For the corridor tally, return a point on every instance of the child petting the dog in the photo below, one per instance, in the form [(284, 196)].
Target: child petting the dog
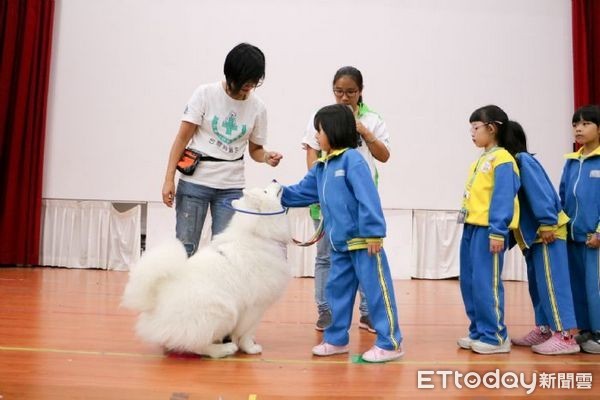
[(341, 182)]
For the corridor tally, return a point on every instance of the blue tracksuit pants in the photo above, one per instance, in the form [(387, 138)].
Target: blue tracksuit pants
[(348, 269), (550, 285), (481, 287), (584, 265)]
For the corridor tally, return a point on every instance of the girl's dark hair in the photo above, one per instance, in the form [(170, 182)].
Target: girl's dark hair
[(515, 140), (494, 115), (590, 113), (354, 74), (244, 63), (339, 125)]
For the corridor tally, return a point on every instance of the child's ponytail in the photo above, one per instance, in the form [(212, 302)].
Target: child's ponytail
[(513, 138)]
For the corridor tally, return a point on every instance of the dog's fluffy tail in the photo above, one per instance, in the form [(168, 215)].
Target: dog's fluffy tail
[(145, 277)]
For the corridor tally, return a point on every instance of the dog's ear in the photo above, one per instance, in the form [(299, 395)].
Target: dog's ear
[(251, 199)]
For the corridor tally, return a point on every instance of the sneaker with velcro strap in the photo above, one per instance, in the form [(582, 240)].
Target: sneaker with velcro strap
[(534, 337), (325, 349), (486, 348), (378, 355)]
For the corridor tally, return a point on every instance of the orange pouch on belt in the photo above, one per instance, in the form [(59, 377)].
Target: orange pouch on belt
[(188, 162)]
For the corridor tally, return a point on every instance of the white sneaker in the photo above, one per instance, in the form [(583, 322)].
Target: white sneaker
[(465, 342), (486, 348), (326, 349), (378, 355)]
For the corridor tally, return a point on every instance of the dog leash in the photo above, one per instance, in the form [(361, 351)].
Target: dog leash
[(318, 235), (319, 232)]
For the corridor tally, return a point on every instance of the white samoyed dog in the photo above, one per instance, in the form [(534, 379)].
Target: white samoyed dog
[(191, 304)]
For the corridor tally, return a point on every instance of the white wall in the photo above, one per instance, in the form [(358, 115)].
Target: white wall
[(122, 71)]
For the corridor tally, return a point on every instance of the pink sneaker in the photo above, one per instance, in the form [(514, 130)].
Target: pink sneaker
[(557, 344), (536, 336), (378, 355), (325, 349)]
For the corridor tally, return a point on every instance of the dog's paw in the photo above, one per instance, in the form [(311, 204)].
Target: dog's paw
[(251, 347), (230, 348), (220, 350)]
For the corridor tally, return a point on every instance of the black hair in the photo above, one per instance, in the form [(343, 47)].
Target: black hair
[(590, 113), (354, 74), (515, 140), (339, 125), (493, 115), (244, 63)]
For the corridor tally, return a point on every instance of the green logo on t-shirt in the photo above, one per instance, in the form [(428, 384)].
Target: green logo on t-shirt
[(230, 129)]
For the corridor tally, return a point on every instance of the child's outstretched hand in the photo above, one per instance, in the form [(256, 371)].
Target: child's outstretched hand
[(373, 248)]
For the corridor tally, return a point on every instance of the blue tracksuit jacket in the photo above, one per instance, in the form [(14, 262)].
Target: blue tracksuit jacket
[(540, 207), (341, 182), (580, 194)]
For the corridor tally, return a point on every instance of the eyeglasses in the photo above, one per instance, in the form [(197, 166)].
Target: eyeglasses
[(474, 128), (251, 85), (341, 92)]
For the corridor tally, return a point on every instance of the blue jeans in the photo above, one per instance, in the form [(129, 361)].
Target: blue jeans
[(322, 265), (191, 205)]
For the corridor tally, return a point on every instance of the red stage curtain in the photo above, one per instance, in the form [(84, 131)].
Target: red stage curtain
[(25, 44), (586, 51)]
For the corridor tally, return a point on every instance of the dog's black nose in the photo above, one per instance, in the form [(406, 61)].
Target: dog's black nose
[(274, 181)]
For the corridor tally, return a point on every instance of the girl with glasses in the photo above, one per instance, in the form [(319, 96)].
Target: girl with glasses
[(490, 208)]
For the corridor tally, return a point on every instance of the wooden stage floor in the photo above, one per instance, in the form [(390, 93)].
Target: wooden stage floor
[(63, 336)]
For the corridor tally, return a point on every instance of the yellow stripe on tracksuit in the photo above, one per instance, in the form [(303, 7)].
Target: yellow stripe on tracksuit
[(386, 299), (361, 244), (496, 278), (548, 274)]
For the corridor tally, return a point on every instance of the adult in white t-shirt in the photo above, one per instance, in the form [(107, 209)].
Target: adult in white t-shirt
[(373, 144), (220, 120)]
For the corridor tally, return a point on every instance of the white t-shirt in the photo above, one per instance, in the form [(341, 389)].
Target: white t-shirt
[(372, 121), (225, 126)]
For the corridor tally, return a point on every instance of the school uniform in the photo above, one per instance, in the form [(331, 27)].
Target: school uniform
[(580, 197), (490, 209), (547, 264), (341, 182)]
